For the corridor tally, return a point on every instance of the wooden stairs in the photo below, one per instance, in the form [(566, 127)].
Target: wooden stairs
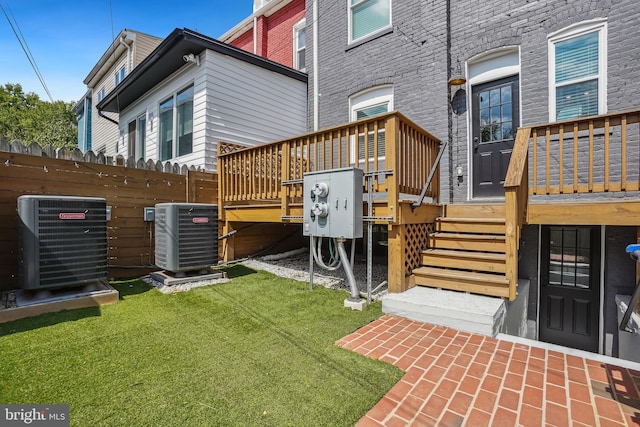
[(466, 251)]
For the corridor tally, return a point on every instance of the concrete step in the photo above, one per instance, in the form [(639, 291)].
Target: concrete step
[(467, 281), (477, 314), (464, 260)]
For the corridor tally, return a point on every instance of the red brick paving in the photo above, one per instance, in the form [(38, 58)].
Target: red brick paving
[(455, 378)]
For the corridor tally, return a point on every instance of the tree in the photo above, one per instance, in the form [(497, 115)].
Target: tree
[(27, 118)]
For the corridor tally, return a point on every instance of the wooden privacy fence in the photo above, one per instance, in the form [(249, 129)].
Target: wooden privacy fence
[(127, 190), (395, 154), (91, 157)]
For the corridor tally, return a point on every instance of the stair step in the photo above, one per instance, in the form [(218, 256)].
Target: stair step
[(467, 242), (480, 283), (471, 225), (465, 260), (465, 210)]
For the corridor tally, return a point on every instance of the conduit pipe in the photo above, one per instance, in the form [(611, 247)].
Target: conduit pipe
[(355, 294)]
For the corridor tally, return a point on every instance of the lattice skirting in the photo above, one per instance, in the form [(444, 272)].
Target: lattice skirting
[(415, 241)]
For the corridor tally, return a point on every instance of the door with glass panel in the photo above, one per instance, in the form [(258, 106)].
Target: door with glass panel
[(495, 120), (570, 287)]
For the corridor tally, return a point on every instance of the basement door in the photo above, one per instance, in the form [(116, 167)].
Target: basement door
[(495, 120), (570, 287)]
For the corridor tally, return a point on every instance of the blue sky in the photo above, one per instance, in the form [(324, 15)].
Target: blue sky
[(68, 37)]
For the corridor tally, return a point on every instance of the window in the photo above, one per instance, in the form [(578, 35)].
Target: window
[(141, 137), (570, 258), (367, 17), (369, 103), (299, 45), (176, 109), (101, 95), (119, 76), (577, 72)]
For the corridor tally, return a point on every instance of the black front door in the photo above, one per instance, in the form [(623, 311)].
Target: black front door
[(570, 287), (495, 120)]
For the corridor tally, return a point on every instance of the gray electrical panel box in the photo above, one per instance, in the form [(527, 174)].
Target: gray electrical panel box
[(333, 203)]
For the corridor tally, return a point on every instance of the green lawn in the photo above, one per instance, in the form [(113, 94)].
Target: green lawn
[(258, 350)]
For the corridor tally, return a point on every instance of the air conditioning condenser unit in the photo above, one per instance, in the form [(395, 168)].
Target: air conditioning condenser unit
[(186, 236), (63, 241)]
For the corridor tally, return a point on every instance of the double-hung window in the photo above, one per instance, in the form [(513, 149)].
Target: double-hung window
[(176, 124), (577, 71), (368, 17), (101, 95), (299, 46), (365, 104), (119, 76)]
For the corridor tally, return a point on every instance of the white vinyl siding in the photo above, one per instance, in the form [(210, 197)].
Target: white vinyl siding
[(367, 17), (577, 71), (105, 134), (233, 101)]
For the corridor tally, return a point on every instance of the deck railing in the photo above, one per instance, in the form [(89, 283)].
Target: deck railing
[(591, 155), (599, 154), (395, 154)]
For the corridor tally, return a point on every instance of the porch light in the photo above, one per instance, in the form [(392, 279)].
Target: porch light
[(457, 78)]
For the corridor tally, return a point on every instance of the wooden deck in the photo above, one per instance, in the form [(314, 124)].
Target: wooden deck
[(571, 172)]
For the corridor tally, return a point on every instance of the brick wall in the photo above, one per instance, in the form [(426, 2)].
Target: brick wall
[(412, 57), (280, 32), (274, 34), (244, 41)]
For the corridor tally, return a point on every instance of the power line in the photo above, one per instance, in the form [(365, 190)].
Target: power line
[(25, 47)]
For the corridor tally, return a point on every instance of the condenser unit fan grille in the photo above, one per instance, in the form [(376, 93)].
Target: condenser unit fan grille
[(64, 242), (198, 243)]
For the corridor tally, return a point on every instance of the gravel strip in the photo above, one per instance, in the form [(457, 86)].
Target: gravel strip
[(297, 267)]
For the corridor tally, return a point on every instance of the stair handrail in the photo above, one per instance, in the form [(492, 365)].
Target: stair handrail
[(516, 187), (432, 173)]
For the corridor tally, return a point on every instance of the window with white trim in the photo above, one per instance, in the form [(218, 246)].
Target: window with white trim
[(176, 109), (365, 104), (119, 76), (299, 45), (368, 17), (577, 71)]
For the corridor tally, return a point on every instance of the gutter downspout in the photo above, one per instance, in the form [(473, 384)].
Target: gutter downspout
[(255, 35), (128, 46), (316, 92), (449, 106)]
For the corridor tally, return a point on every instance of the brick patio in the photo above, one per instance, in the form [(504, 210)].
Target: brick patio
[(456, 378)]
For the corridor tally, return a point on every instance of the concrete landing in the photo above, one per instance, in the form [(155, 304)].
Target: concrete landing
[(34, 303), (466, 312), (169, 278)]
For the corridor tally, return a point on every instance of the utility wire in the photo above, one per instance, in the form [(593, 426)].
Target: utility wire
[(25, 47)]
